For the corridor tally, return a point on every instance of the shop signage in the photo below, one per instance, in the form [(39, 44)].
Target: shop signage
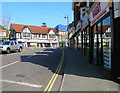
[(72, 33), (116, 9), (85, 22), (78, 26), (99, 11), (107, 59)]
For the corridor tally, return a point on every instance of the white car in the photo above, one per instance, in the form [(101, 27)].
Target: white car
[(9, 46)]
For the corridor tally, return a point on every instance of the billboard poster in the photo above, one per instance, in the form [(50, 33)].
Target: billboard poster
[(107, 59)]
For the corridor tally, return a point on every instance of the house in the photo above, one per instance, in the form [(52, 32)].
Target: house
[(34, 35), (62, 31), (3, 34)]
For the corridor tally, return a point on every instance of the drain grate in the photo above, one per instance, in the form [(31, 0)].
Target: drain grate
[(20, 75)]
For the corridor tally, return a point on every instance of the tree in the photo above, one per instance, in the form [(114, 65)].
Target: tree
[(6, 24)]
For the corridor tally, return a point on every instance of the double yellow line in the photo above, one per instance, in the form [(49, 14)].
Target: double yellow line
[(54, 77)]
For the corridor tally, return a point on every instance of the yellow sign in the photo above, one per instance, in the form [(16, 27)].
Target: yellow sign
[(39, 45), (110, 4), (33, 44)]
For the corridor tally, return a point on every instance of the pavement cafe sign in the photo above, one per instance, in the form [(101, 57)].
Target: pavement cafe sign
[(99, 11)]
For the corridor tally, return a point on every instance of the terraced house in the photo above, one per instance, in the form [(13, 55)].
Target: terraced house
[(36, 36)]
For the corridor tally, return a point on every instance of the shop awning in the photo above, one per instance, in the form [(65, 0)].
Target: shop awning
[(63, 41)]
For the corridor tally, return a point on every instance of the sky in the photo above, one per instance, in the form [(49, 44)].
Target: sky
[(35, 13)]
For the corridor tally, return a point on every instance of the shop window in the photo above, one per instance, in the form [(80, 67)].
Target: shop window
[(107, 43), (95, 45), (99, 44), (75, 43), (87, 39), (79, 41)]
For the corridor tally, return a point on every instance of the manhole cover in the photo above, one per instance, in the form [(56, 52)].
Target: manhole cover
[(20, 75)]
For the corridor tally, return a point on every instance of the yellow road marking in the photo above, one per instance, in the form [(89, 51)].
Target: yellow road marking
[(51, 80), (55, 75)]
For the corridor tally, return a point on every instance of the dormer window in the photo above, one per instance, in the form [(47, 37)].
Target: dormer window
[(25, 34), (51, 36)]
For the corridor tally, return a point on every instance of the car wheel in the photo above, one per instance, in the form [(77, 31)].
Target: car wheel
[(20, 49), (8, 50)]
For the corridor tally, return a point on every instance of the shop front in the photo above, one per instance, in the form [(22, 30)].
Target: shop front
[(62, 43), (72, 37), (83, 36), (101, 35)]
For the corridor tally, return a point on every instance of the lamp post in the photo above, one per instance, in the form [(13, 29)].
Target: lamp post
[(67, 17)]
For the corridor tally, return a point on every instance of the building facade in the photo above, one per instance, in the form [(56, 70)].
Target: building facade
[(95, 34), (3, 34), (34, 35), (62, 31)]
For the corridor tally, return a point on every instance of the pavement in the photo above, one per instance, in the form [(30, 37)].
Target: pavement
[(80, 75)]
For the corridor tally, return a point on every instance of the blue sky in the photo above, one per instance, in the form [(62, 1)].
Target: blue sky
[(34, 13)]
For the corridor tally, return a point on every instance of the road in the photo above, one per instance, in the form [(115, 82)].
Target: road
[(33, 69)]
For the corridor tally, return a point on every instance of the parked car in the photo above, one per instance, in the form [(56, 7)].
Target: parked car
[(9, 46), (21, 43)]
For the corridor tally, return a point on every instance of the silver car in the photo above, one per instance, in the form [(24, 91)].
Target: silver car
[(9, 46)]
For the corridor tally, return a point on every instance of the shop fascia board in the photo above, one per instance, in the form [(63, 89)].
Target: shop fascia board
[(38, 41), (91, 8), (117, 9), (78, 27)]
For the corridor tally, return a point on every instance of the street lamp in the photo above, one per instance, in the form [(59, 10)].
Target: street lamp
[(67, 17)]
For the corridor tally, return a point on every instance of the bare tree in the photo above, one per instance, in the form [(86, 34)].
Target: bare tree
[(6, 24)]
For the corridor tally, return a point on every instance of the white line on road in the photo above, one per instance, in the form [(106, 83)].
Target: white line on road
[(22, 83), (9, 64)]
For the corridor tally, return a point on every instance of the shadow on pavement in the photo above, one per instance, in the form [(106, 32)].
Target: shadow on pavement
[(49, 58), (76, 63), (79, 65)]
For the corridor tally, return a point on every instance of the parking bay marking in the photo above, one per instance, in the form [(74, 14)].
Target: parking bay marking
[(54, 77), (9, 64), (22, 83)]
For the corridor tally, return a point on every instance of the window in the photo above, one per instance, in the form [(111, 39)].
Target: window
[(6, 43), (20, 42), (43, 36), (12, 43), (26, 34), (35, 35), (39, 35), (15, 43), (83, 14), (51, 36)]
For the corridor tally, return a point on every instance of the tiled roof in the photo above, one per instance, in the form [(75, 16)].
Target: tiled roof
[(33, 29), (18, 27)]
